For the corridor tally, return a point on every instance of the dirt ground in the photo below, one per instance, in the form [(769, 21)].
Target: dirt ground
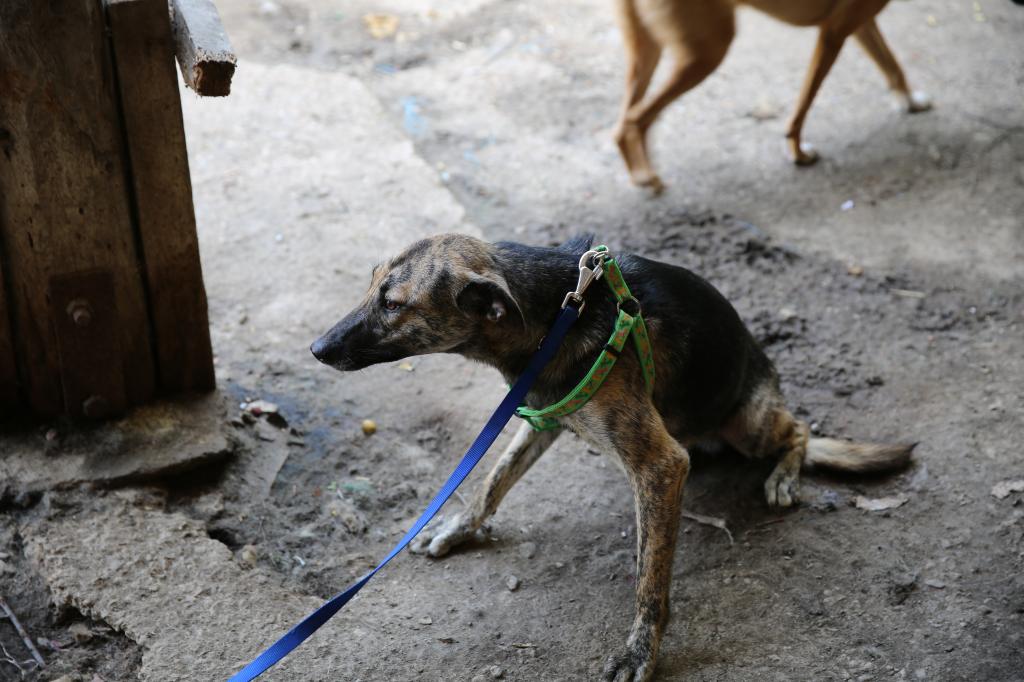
[(887, 283)]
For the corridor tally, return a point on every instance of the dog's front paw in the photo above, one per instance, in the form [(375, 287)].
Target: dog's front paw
[(441, 536), (650, 182), (635, 664), (782, 489)]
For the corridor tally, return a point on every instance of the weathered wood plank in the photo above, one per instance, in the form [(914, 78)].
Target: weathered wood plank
[(8, 370), (144, 55), (203, 50), (62, 179), (84, 316)]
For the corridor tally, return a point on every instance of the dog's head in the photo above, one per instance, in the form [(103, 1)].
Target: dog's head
[(441, 295)]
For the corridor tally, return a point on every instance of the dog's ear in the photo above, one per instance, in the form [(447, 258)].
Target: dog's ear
[(488, 296)]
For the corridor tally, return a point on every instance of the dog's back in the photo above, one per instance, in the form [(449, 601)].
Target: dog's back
[(802, 13), (708, 362)]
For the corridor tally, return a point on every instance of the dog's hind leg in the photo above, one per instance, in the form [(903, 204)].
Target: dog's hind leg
[(698, 44), (642, 56), (526, 448), (870, 38), (764, 428), (830, 41)]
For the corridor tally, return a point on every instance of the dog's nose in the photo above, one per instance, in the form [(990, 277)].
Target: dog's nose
[(319, 349)]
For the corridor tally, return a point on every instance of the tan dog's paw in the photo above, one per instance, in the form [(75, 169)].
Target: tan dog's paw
[(443, 535), (917, 102), (782, 489), (649, 181), (802, 153), (635, 664)]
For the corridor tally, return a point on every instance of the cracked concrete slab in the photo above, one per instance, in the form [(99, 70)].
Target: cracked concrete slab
[(158, 440), (161, 581)]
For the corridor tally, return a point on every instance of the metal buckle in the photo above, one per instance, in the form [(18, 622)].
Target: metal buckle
[(591, 269), (632, 306)]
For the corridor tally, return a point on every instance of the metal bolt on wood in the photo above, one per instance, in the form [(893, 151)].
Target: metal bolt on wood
[(80, 312), (95, 407)]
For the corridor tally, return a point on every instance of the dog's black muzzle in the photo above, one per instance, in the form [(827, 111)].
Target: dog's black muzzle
[(353, 344)]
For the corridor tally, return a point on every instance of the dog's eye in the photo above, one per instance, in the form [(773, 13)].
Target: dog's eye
[(392, 305)]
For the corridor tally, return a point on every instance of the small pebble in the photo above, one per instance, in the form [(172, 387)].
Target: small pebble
[(527, 550), (496, 672), (426, 620), (937, 584), (248, 555), (512, 583), (81, 632), (369, 427)]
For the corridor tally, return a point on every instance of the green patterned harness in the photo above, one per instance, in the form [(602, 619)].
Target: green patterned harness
[(629, 323)]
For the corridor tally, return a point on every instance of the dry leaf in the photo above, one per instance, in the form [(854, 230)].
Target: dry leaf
[(381, 26)]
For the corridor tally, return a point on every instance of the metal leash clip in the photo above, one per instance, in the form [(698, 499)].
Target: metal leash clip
[(591, 269)]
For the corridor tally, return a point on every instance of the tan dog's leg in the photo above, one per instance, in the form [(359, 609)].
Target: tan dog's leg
[(698, 44), (870, 38), (526, 448), (825, 53), (642, 56), (765, 428), (656, 466)]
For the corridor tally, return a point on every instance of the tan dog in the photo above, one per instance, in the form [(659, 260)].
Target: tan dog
[(698, 34)]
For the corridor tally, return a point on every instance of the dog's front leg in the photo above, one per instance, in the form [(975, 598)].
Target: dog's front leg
[(830, 41), (526, 448), (657, 467)]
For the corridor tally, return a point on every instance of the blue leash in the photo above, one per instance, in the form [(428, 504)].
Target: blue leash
[(298, 634)]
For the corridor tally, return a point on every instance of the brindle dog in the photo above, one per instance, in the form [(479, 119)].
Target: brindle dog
[(495, 302)]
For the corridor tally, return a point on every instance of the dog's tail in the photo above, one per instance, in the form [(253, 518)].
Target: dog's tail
[(861, 458)]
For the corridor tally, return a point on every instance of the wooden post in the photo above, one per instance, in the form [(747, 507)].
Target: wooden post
[(64, 195), (8, 371), (204, 53), (155, 137)]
